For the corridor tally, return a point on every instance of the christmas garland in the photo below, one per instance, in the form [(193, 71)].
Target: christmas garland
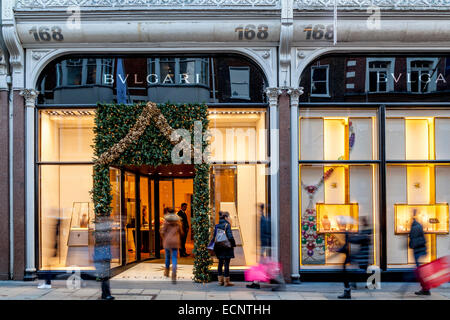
[(312, 242), (124, 136)]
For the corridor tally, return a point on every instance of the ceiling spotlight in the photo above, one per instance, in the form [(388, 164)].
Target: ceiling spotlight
[(180, 172), (170, 172)]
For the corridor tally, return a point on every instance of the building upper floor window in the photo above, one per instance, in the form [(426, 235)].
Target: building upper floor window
[(186, 71), (82, 71), (379, 75), (422, 75), (240, 82), (319, 80)]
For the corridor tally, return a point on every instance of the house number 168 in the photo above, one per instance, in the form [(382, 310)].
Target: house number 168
[(249, 32), (43, 33)]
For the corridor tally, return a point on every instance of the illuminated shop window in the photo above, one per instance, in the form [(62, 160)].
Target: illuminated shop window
[(319, 80), (66, 211), (336, 198), (413, 186), (238, 175), (240, 82), (379, 75)]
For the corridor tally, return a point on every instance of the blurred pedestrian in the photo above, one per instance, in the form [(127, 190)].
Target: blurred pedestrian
[(265, 241), (363, 239), (265, 250), (417, 243), (171, 233), (185, 223), (223, 248), (345, 249), (102, 256)]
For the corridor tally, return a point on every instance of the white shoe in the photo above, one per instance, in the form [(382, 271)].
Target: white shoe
[(44, 286)]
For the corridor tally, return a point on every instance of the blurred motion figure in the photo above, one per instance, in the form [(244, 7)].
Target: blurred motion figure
[(417, 243)]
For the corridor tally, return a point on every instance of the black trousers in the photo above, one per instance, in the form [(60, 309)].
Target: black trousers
[(224, 264), (183, 243), (106, 289)]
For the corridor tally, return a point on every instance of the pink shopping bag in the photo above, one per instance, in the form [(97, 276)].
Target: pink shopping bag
[(256, 273)]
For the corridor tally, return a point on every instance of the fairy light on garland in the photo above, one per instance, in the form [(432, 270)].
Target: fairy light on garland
[(312, 242)]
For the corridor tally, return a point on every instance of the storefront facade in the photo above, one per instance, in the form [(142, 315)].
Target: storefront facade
[(311, 123)]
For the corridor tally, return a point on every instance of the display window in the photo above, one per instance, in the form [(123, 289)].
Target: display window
[(339, 196), (66, 213), (238, 175), (416, 140)]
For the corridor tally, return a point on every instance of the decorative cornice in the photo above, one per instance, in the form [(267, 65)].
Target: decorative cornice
[(30, 96), (148, 4), (295, 94), (273, 93), (433, 5), (12, 43), (3, 71), (38, 54)]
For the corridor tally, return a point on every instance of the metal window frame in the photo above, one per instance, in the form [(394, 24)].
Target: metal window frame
[(382, 162)]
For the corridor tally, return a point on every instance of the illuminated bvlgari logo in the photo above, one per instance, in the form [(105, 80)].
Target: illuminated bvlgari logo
[(183, 78)]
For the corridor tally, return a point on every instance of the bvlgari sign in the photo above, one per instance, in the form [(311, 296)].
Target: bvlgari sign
[(182, 78)]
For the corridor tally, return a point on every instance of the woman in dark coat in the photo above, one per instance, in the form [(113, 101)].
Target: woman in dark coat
[(418, 244), (224, 254)]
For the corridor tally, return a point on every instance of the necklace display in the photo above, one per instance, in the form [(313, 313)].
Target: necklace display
[(313, 244)]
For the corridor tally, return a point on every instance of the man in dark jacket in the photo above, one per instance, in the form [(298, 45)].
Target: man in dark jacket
[(185, 224), (418, 243)]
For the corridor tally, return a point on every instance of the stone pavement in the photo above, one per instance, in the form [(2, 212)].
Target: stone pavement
[(188, 290)]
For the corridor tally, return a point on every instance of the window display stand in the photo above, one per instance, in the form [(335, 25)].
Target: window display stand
[(80, 235)]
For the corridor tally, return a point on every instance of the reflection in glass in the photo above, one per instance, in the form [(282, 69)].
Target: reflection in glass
[(116, 239), (130, 216), (147, 244)]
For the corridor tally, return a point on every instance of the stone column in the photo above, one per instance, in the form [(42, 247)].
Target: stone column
[(285, 185), (4, 171), (30, 101), (295, 258), (272, 94)]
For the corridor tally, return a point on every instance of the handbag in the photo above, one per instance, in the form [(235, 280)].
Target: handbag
[(210, 247), (221, 240)]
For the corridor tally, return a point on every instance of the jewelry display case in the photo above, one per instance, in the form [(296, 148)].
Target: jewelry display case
[(337, 218), (434, 218)]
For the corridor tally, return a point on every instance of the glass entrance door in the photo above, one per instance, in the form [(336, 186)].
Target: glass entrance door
[(173, 193), (146, 221), (130, 216)]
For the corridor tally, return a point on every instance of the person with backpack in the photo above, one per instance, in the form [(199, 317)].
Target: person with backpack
[(223, 248), (171, 233)]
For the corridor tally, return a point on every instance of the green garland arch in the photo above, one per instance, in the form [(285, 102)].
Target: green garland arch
[(112, 123)]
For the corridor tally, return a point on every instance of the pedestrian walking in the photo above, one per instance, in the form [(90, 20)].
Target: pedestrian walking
[(185, 223), (418, 244), (223, 248), (265, 250), (171, 232), (102, 256), (345, 249), (363, 239)]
